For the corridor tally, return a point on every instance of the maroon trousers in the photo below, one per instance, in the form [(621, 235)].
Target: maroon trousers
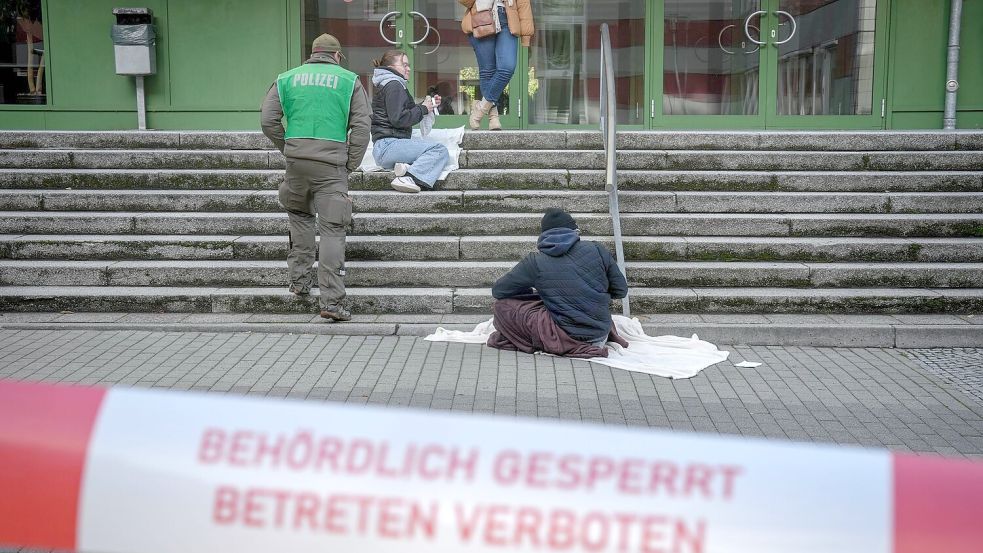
[(525, 325)]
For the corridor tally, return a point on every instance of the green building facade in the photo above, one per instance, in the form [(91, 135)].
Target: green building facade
[(705, 64)]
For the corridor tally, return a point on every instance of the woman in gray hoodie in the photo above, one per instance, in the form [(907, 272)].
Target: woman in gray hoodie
[(417, 163)]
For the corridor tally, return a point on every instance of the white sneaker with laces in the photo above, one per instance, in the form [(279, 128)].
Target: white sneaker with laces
[(405, 184), (401, 169)]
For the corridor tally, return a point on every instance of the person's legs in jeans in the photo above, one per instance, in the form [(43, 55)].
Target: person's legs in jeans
[(484, 54), (426, 159), (496, 65), (506, 48)]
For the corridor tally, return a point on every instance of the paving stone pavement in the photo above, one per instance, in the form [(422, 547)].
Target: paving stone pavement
[(867, 396), (926, 400), (962, 368)]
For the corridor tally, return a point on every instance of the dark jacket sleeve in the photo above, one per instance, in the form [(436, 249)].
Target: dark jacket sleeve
[(617, 285), (271, 117), (517, 282), (400, 116), (359, 123)]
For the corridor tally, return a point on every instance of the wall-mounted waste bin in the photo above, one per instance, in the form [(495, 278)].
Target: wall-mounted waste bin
[(135, 41)]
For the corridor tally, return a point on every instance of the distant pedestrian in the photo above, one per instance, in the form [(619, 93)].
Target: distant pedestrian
[(327, 134)]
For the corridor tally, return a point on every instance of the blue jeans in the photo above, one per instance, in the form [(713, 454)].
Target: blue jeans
[(496, 59), (427, 159)]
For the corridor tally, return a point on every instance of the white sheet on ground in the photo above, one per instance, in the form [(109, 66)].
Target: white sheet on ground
[(668, 356), (450, 138)]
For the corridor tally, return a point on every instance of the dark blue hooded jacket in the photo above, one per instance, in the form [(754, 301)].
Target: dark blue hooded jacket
[(575, 279)]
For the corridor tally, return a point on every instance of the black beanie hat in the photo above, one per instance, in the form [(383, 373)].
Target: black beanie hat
[(557, 218)]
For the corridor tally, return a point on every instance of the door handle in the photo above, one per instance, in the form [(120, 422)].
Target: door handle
[(426, 33), (794, 26), (382, 22), (747, 23), (720, 39), (438, 43)]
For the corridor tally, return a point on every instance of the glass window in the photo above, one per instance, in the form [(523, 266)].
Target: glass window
[(827, 66), (21, 53), (356, 25), (565, 58)]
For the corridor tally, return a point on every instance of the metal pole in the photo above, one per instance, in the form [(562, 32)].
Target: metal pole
[(141, 105), (952, 66), (609, 122)]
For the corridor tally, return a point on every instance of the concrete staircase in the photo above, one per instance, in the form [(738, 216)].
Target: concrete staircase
[(714, 222)]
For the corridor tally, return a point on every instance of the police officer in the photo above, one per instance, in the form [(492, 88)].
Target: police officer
[(328, 119)]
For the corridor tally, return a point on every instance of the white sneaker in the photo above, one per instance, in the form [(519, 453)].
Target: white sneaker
[(401, 169), (405, 184)]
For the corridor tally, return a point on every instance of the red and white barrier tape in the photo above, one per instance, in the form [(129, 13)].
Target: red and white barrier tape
[(140, 471)]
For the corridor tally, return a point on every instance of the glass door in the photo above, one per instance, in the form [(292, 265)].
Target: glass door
[(769, 64), (444, 63), (826, 73), (561, 68), (711, 64), (429, 31)]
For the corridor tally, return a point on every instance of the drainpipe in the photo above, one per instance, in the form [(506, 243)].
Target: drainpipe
[(952, 67)]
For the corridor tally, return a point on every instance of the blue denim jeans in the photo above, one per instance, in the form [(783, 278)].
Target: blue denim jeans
[(427, 159), (496, 59)]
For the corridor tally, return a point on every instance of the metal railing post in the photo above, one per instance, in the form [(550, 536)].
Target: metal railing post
[(609, 135)]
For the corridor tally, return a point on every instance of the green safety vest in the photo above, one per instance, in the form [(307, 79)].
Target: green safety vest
[(316, 100)]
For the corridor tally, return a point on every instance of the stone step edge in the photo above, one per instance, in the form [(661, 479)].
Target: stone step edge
[(723, 334), (535, 139)]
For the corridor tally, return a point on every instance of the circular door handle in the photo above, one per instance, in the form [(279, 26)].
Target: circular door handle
[(747, 23), (720, 39), (435, 47), (794, 26), (427, 33), (382, 22), (756, 46)]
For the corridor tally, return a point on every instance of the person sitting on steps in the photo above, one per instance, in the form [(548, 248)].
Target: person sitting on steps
[(417, 163)]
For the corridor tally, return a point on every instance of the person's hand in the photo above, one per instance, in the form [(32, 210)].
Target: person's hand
[(428, 103)]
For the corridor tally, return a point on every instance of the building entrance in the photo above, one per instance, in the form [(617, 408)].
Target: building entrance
[(429, 31), (770, 64), (708, 64)]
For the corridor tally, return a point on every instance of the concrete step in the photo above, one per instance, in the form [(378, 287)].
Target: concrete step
[(512, 179), (704, 160), (216, 300), (492, 248), (498, 201), (774, 300), (852, 330), (482, 273), (526, 140), (478, 300), (142, 179), (717, 160), (141, 159), (455, 224)]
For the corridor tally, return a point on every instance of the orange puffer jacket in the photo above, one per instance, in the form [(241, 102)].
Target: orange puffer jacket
[(519, 14)]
